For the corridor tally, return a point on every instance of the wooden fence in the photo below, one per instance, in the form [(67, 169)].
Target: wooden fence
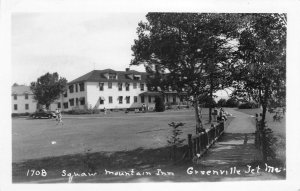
[(199, 144)]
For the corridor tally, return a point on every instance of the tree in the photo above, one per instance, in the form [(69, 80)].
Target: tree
[(183, 45), (261, 63), (159, 104), (222, 103), (48, 88)]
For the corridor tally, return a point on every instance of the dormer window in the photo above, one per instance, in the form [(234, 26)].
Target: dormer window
[(112, 76), (26, 96), (137, 77), (15, 97)]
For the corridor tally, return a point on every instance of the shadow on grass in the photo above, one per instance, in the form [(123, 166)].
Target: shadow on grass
[(140, 158)]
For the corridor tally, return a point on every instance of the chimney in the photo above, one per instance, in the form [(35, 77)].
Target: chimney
[(127, 69)]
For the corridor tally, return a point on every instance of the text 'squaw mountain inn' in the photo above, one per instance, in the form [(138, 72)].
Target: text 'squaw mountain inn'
[(101, 89)]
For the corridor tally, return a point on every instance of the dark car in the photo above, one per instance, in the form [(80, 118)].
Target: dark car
[(43, 114)]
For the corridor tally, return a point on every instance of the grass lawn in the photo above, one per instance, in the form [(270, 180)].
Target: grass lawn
[(278, 128), (85, 142), (32, 139)]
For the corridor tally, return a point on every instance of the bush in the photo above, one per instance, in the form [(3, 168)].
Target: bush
[(209, 103), (222, 103), (248, 105), (232, 102), (20, 114), (159, 104)]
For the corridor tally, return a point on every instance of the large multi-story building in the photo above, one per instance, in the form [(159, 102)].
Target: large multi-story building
[(101, 89)]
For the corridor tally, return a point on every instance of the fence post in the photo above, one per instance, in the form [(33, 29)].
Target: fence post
[(190, 145), (197, 144)]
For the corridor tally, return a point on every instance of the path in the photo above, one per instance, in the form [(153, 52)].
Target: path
[(236, 147)]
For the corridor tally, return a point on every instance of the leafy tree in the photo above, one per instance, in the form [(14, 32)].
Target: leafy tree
[(261, 63), (184, 45), (222, 103), (48, 88), (232, 102), (159, 104)]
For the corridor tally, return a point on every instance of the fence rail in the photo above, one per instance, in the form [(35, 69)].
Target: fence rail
[(199, 144)]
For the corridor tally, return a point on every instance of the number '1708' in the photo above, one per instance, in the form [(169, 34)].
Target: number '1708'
[(33, 172)]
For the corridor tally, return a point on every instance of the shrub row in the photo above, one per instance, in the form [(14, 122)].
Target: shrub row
[(20, 114)]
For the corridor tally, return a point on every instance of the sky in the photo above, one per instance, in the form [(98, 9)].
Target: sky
[(71, 44)]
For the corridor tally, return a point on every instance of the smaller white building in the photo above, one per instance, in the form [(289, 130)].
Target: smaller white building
[(22, 99)]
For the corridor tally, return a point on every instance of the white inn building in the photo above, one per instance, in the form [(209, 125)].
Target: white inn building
[(101, 89)]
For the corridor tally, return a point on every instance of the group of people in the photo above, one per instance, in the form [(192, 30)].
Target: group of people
[(58, 117), (219, 115)]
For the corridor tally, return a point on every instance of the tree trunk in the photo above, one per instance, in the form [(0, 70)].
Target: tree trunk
[(198, 120), (263, 123), (210, 105), (211, 97)]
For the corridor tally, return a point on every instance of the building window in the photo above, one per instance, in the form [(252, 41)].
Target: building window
[(109, 85), (26, 106), (142, 87), (127, 99), (127, 86), (76, 87), (149, 98), (101, 86), (71, 88), (135, 99), (112, 76), (26, 96), (81, 87), (174, 98), (65, 94), (71, 102), (15, 97), (66, 105), (142, 99), (15, 107), (58, 105), (110, 99), (77, 101), (82, 101), (120, 86), (181, 99), (120, 99), (134, 85)]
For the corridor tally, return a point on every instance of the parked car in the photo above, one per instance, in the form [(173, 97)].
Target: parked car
[(43, 114)]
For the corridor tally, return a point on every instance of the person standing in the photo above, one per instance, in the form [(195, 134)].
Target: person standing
[(56, 113), (59, 118)]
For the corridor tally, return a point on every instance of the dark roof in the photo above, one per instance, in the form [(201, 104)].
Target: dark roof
[(21, 90), (98, 76)]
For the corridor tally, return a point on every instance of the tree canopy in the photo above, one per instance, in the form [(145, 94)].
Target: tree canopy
[(260, 66), (192, 48), (48, 88)]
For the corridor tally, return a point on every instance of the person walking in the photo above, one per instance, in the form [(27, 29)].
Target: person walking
[(59, 118)]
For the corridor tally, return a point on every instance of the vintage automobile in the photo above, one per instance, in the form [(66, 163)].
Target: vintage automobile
[(43, 114)]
